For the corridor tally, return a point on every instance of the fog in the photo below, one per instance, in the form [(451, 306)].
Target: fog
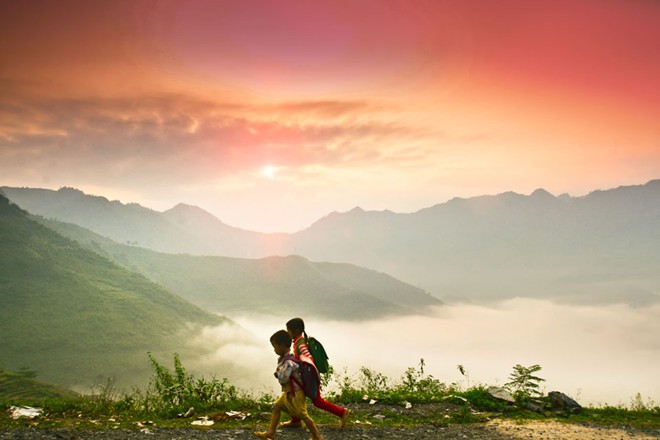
[(598, 355)]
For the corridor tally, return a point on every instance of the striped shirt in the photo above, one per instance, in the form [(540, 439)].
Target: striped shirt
[(301, 350)]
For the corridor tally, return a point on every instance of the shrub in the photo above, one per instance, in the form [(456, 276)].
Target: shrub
[(524, 385)]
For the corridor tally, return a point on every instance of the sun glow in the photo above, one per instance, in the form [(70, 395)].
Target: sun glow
[(269, 171)]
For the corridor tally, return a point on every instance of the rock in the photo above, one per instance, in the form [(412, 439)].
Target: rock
[(535, 405), (501, 394), (563, 402)]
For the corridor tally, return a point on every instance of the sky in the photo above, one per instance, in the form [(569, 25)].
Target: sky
[(272, 114)]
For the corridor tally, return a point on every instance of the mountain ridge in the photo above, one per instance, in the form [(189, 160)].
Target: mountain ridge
[(275, 285), (483, 248)]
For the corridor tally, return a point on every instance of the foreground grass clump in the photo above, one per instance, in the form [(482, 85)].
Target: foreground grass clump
[(415, 398)]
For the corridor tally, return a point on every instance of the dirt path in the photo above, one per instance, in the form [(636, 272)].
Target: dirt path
[(362, 426), (554, 430), (495, 430)]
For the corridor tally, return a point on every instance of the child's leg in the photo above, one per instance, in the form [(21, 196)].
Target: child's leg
[(330, 407), (274, 420), (316, 435), (293, 423)]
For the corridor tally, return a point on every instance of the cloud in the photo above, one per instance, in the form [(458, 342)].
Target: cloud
[(595, 354), (132, 137)]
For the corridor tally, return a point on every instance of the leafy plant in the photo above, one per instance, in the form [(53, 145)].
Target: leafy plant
[(372, 381), (173, 391), (524, 384), (420, 385)]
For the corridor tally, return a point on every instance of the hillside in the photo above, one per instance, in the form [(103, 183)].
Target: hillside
[(172, 232), (21, 386), (596, 249), (284, 286), (73, 316)]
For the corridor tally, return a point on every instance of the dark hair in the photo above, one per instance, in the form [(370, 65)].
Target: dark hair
[(281, 337), (296, 324)]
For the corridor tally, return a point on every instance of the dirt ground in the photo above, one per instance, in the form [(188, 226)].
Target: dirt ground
[(494, 430), (554, 430), (358, 428)]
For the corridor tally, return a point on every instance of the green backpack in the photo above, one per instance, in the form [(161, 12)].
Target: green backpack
[(318, 353)]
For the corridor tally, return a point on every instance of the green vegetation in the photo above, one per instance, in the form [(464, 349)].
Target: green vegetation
[(72, 315), (414, 399), (289, 285), (22, 386), (524, 384)]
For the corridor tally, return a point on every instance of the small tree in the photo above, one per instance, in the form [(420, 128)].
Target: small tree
[(524, 384)]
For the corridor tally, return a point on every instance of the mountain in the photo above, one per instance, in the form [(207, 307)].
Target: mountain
[(73, 316), (182, 229), (219, 238), (284, 286), (598, 248)]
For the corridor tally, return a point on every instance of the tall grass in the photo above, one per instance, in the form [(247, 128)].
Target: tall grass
[(171, 391)]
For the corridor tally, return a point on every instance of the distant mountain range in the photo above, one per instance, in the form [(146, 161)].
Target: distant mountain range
[(279, 286), (600, 248), (72, 315)]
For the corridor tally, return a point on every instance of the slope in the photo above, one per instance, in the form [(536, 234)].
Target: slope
[(21, 386), (72, 315), (274, 285)]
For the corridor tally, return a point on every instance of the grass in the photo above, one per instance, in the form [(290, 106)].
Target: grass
[(413, 399)]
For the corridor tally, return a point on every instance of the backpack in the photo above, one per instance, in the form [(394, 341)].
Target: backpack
[(318, 353), (310, 384)]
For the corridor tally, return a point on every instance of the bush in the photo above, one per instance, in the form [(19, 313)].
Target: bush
[(173, 392), (524, 385)]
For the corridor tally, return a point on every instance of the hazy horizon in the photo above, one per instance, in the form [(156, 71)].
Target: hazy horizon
[(413, 209), (596, 354)]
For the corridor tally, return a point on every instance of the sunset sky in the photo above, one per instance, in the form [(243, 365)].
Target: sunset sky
[(272, 114)]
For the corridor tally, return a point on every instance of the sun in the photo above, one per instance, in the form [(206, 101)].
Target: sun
[(269, 171)]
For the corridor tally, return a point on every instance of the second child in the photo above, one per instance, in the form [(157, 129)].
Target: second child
[(296, 329), (292, 400)]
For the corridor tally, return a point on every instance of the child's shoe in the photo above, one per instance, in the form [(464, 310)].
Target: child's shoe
[(264, 434), (344, 418)]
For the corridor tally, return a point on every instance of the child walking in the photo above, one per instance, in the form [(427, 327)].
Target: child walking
[(296, 329), (292, 400)]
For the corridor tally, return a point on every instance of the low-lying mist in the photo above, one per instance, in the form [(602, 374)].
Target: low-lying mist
[(597, 355)]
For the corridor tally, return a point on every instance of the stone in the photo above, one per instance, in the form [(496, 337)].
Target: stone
[(562, 402), (501, 394)]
